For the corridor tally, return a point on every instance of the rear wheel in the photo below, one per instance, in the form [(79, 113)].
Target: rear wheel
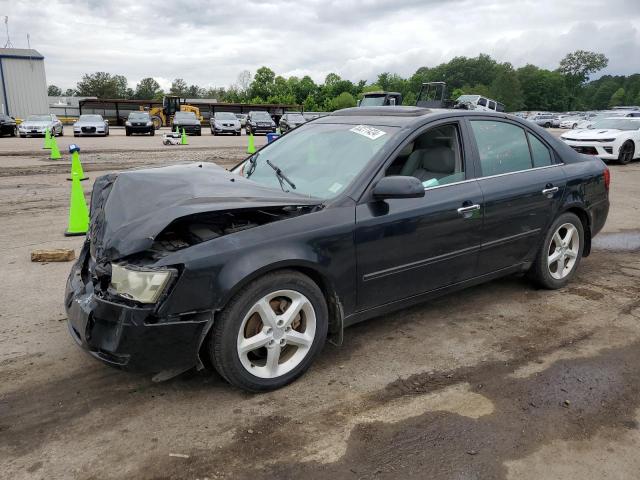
[(157, 122), (574, 126), (270, 333), (627, 150), (547, 125), (560, 253)]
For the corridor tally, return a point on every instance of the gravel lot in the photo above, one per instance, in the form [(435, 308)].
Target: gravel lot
[(498, 381)]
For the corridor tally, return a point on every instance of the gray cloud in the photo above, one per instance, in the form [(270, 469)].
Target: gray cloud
[(209, 43)]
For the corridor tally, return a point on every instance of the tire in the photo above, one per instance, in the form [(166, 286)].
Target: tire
[(574, 126), (213, 132), (14, 132), (157, 122), (76, 135), (237, 319), (547, 125), (23, 136), (61, 132), (544, 272), (199, 133), (627, 151), (152, 132), (127, 132)]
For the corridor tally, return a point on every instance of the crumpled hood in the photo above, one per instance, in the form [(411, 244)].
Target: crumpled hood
[(129, 209), (593, 133)]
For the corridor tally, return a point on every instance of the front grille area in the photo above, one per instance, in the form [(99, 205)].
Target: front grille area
[(88, 129), (585, 150)]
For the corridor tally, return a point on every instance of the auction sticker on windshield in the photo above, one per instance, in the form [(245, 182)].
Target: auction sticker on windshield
[(369, 132)]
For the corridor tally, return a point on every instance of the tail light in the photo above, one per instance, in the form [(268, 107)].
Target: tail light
[(607, 178)]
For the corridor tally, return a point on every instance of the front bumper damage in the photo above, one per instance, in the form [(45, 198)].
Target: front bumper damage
[(130, 337)]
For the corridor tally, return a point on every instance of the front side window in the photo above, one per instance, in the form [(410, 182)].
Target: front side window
[(434, 157), (503, 147), (319, 159), (482, 101)]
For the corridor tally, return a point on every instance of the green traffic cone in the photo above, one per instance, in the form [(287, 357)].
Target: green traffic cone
[(47, 139), (177, 129), (78, 211), (55, 153), (76, 166), (251, 148), (183, 138)]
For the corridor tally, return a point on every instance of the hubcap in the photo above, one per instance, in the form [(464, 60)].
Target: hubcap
[(563, 251), (276, 334)]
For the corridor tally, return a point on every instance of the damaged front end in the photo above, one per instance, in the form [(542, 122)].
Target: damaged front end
[(121, 297)]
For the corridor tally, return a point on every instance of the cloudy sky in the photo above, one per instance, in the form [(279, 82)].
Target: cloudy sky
[(209, 42)]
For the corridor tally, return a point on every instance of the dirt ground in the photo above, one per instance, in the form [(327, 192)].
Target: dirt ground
[(501, 381)]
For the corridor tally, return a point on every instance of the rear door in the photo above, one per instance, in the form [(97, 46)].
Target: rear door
[(522, 185)]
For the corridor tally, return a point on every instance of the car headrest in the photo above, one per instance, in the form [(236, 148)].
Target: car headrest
[(406, 150), (439, 160)]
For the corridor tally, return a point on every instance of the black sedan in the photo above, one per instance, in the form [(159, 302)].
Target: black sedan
[(188, 122), (351, 216), (8, 125), (289, 121)]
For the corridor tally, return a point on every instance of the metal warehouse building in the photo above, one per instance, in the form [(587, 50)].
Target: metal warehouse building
[(23, 84)]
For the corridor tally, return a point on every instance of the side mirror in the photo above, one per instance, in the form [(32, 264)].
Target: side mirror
[(398, 187)]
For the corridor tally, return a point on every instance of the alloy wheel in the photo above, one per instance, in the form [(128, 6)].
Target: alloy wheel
[(276, 334), (563, 251)]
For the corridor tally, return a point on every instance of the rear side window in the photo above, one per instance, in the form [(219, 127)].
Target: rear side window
[(492, 105), (482, 101), (539, 152), (503, 147)]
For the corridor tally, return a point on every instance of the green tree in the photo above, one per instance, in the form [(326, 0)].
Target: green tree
[(194, 91), (603, 95), (309, 104), (179, 87), (54, 91), (506, 88), (147, 89), (617, 98), (263, 82), (70, 92), (577, 67), (103, 85), (344, 100)]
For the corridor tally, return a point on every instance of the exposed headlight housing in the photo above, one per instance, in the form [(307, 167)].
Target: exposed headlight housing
[(144, 286)]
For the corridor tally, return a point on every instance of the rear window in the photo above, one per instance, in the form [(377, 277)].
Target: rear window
[(503, 147), (539, 152)]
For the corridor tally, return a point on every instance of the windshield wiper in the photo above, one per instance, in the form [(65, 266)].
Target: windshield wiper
[(281, 176), (253, 160)]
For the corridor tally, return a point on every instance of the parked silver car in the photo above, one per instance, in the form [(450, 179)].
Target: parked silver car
[(224, 122), (91, 125), (545, 120), (36, 125), (243, 119)]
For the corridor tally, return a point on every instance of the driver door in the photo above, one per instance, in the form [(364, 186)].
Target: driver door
[(406, 247)]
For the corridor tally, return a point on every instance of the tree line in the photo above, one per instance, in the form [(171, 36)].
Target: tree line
[(526, 88)]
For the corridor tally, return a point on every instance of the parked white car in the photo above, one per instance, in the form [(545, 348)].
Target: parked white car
[(91, 125), (613, 138), (571, 122), (36, 125)]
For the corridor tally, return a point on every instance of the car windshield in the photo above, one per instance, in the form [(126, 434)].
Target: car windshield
[(225, 116), (90, 118), (468, 98), (39, 118), (296, 118), (617, 124), (319, 159), (138, 116), (261, 117), (185, 116), (373, 101)]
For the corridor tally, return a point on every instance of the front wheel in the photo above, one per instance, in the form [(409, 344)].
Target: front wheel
[(547, 125), (560, 253), (626, 153), (152, 132), (270, 332)]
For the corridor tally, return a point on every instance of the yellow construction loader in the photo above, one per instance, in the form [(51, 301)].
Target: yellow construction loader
[(162, 116)]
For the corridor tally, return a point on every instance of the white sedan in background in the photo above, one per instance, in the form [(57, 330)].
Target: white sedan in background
[(614, 138), (91, 125)]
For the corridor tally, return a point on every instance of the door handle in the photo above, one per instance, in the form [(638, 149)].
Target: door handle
[(469, 209), (549, 191)]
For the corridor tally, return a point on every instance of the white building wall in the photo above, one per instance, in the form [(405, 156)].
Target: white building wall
[(25, 86)]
